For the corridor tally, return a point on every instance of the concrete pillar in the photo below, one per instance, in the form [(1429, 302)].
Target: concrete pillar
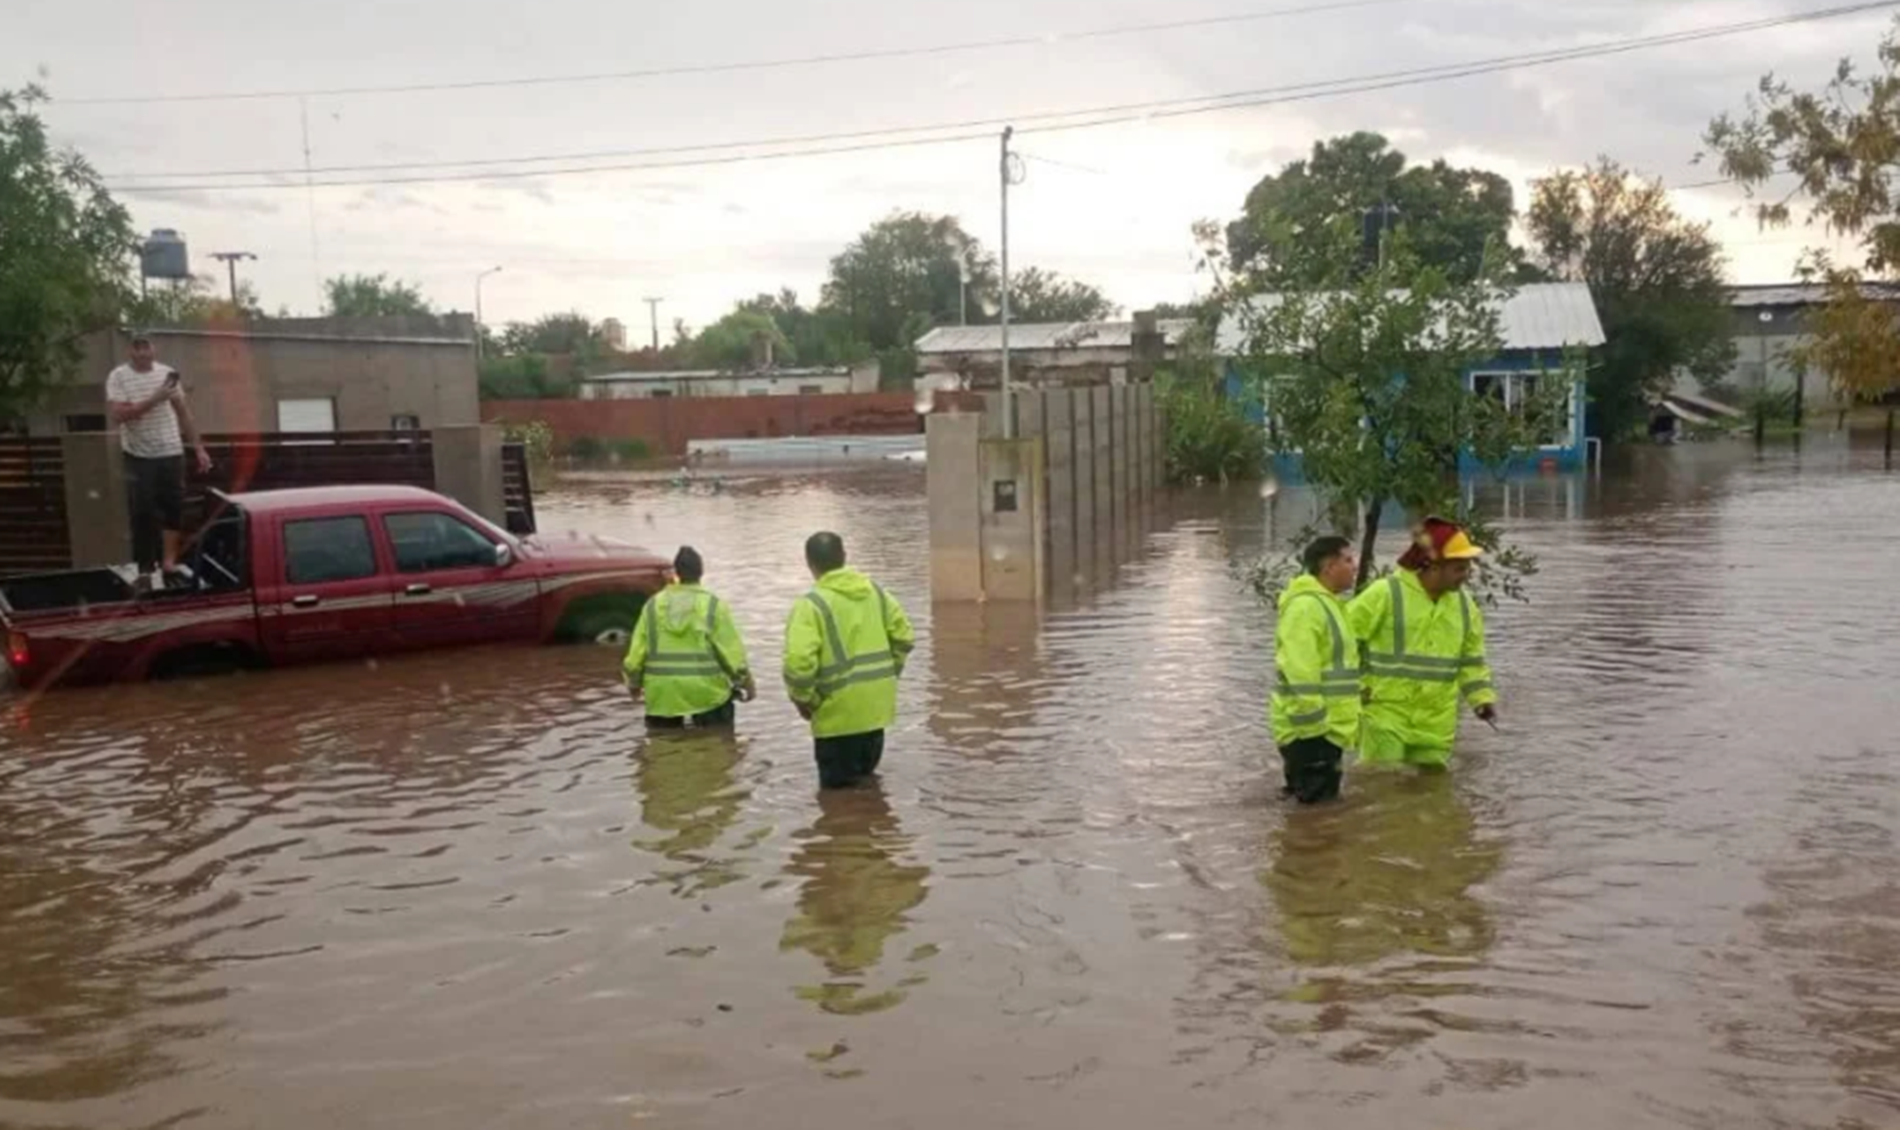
[(956, 518), (1012, 501), (1082, 405), (1104, 477), (1058, 453), (98, 522), (468, 468)]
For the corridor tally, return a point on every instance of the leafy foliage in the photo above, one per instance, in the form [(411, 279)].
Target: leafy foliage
[(570, 333), (1841, 147), (65, 251), (198, 300), (1036, 295), (1854, 339), (1361, 369), (1209, 437), (373, 296), (1453, 217), (906, 265), (730, 342), (1657, 280), (522, 376)]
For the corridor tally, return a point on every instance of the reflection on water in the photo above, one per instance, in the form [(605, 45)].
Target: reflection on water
[(689, 791), (469, 889), (854, 897), (1387, 873)]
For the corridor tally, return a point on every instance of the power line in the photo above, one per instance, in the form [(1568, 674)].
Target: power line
[(1052, 121), (750, 65), (1124, 112)]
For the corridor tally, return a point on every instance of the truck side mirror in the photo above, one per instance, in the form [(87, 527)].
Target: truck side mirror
[(504, 556)]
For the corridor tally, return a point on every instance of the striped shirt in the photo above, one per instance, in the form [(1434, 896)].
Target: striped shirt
[(154, 435)]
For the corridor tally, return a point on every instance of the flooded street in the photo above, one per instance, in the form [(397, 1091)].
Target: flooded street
[(467, 890)]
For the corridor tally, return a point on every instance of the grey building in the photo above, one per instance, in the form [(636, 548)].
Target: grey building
[(1768, 321), (294, 375)]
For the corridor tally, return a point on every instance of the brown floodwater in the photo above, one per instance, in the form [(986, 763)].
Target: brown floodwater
[(467, 890)]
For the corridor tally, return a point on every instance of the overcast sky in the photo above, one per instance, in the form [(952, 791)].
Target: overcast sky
[(1111, 205)]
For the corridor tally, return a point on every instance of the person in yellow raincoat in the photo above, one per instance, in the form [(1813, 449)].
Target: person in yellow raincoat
[(1423, 649), (686, 659), (1316, 692), (846, 643)]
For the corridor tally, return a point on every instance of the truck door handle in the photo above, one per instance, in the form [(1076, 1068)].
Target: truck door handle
[(307, 600), (418, 589)]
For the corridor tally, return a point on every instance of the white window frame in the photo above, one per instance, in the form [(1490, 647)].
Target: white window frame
[(1511, 379), (315, 433)]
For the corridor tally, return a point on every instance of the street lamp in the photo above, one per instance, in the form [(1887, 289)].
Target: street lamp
[(478, 309)]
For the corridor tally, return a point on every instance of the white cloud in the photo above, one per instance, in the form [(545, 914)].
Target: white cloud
[(707, 235)]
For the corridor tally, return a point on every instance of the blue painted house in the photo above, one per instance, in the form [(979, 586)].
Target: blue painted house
[(1538, 323)]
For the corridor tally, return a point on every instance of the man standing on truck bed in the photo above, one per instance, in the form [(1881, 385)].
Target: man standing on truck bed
[(147, 402), (686, 658), (845, 646)]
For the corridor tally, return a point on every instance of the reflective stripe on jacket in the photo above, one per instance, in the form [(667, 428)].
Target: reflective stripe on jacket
[(845, 645), (686, 654), (1316, 692), (1420, 656)]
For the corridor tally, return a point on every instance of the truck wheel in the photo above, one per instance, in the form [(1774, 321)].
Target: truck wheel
[(196, 662), (603, 623)]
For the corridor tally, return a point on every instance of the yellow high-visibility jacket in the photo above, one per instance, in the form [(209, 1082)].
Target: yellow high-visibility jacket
[(686, 655), (1316, 693), (1421, 655), (846, 643)]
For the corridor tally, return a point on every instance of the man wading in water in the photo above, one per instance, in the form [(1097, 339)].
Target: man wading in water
[(1424, 650)]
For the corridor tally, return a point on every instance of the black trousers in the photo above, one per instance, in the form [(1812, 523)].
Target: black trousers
[(717, 716), (1312, 770), (848, 760), (155, 497)]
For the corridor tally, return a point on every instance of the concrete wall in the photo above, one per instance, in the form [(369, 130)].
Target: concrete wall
[(235, 379), (1087, 471)]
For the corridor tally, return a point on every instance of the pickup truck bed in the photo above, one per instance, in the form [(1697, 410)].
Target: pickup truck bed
[(322, 574)]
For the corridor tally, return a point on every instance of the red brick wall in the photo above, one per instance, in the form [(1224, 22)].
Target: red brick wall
[(668, 423)]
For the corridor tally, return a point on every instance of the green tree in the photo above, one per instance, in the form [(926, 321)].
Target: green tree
[(1840, 146), (198, 300), (65, 251), (1036, 295), (1362, 375), (904, 266), (571, 333), (1453, 217), (373, 296), (1209, 437), (1657, 280), (730, 342), (817, 337), (521, 377)]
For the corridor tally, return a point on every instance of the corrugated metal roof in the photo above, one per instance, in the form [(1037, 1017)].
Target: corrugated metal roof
[(1537, 316), (1044, 335), (1796, 294)]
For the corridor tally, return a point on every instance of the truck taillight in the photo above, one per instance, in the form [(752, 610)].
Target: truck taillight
[(17, 651)]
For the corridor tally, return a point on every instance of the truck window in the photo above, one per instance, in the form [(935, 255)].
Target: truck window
[(426, 541), (323, 550)]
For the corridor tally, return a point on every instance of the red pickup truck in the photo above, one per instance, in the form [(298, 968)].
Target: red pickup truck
[(325, 573)]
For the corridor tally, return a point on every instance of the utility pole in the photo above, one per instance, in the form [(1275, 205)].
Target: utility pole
[(1009, 171), (230, 260), (478, 310), (653, 318)]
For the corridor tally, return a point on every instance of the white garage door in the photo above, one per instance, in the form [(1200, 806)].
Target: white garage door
[(315, 414)]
